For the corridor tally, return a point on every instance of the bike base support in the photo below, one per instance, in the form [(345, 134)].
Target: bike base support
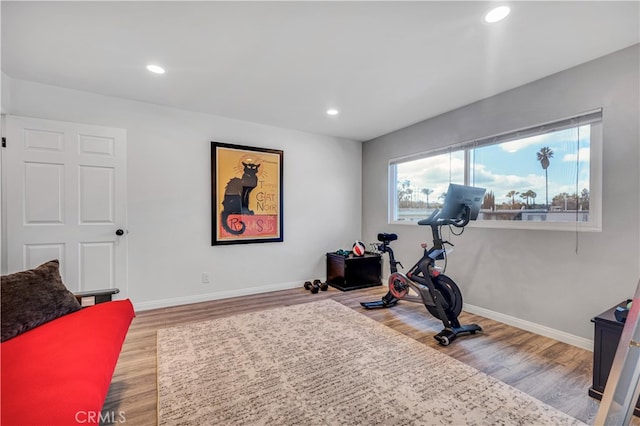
[(448, 335)]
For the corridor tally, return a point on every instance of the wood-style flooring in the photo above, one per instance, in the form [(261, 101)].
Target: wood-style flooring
[(554, 372)]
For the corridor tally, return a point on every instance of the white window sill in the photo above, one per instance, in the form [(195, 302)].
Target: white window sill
[(526, 225)]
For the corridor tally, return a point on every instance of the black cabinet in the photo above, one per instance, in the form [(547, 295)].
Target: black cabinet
[(607, 332), (353, 272)]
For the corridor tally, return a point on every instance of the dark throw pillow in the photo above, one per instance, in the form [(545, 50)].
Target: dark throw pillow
[(32, 298)]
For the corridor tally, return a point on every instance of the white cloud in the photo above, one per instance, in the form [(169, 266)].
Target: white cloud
[(585, 156), (433, 173), (517, 145)]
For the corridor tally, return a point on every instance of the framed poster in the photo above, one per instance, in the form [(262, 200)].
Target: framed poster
[(246, 185)]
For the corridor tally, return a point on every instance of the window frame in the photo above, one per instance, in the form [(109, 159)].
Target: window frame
[(594, 224)]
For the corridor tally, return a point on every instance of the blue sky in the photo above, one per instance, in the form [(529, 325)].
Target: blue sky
[(509, 166)]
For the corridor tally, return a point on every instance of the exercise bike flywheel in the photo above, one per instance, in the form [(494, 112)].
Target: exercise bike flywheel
[(398, 285), (451, 293)]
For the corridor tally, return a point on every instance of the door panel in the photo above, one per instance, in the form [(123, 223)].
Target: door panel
[(96, 198), (96, 145), (42, 140), (43, 193), (97, 262), (66, 197), (37, 254)]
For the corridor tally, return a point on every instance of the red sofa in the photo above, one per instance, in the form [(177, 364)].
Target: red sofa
[(59, 373)]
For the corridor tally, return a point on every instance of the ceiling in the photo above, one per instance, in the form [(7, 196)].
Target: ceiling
[(383, 65)]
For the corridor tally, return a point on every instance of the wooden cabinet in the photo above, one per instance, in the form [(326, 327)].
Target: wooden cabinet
[(607, 332), (353, 272), (93, 297)]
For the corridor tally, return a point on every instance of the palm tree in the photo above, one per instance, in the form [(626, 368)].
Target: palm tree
[(404, 190), (427, 192), (533, 195), (528, 194), (584, 199), (511, 194), (544, 155)]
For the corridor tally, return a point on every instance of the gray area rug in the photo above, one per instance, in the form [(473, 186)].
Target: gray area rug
[(322, 363)]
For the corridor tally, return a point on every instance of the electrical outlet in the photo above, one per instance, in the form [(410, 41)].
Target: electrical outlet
[(205, 278)]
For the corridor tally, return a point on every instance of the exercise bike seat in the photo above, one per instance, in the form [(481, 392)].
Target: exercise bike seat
[(387, 238)]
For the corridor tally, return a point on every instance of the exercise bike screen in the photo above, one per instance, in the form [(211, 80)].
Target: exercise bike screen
[(457, 197)]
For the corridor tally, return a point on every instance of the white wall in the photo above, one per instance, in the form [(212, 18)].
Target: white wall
[(535, 276), (169, 195)]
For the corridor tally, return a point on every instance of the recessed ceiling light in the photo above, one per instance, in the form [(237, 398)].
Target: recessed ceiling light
[(155, 69), (497, 14), (332, 111)]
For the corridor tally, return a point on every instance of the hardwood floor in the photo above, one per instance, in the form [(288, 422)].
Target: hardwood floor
[(554, 372)]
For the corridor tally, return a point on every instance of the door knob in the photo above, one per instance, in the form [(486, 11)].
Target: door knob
[(119, 232)]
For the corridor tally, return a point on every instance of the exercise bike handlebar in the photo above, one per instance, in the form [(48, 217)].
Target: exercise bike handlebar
[(434, 220), (430, 219)]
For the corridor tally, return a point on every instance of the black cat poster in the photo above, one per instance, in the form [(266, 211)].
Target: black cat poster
[(246, 185)]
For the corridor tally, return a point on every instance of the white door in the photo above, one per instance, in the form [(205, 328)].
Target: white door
[(66, 199)]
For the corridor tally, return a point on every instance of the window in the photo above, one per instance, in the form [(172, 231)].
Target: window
[(544, 177)]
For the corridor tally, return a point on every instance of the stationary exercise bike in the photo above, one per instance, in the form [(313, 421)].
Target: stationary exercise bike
[(439, 293)]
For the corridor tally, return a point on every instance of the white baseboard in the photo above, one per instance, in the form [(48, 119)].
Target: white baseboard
[(165, 303), (542, 330)]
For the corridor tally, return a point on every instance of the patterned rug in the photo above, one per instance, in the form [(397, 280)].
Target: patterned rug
[(322, 363)]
